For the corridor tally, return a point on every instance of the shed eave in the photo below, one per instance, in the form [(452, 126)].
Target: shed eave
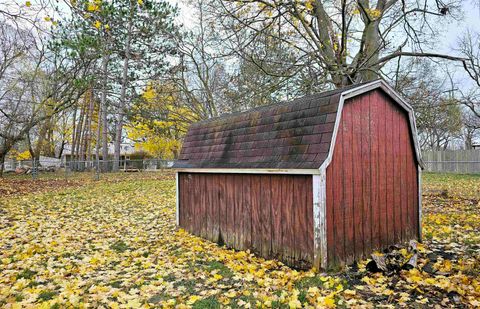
[(291, 171)]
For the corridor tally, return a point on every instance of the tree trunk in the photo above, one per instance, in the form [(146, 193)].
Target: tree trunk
[(74, 130), (4, 149), (62, 148), (88, 138), (40, 142), (369, 68), (123, 94), (84, 131), (2, 163), (79, 138), (30, 148), (104, 132), (98, 138), (104, 110)]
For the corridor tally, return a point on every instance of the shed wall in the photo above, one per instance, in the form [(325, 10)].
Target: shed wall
[(372, 189), (272, 215)]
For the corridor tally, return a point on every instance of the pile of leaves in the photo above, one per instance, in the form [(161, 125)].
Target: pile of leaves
[(113, 243)]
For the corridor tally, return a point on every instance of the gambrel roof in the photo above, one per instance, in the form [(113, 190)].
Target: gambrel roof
[(290, 135)]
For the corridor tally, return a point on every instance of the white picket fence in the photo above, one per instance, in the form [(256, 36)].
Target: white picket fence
[(452, 161)]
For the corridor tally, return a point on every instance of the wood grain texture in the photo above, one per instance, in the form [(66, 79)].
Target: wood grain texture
[(276, 214), (382, 174), (288, 237), (397, 210), (357, 175), (374, 176), (372, 195), (366, 164), (265, 221), (272, 215), (346, 183)]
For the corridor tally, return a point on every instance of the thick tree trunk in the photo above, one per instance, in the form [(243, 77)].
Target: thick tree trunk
[(371, 53), (4, 149), (40, 142), (123, 94)]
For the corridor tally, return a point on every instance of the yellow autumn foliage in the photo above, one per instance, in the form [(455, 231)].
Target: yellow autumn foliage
[(159, 137), (113, 243), (25, 155)]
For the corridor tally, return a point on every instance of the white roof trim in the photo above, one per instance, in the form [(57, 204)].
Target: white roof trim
[(292, 171)]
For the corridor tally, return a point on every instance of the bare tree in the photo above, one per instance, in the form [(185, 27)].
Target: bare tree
[(200, 75), (34, 84), (471, 130), (469, 46), (346, 41), (437, 106)]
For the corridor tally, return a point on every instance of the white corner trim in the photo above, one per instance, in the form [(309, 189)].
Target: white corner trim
[(292, 171), (177, 217), (319, 221), (419, 183)]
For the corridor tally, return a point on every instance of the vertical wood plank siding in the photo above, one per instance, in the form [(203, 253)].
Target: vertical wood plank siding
[(272, 215), (372, 194)]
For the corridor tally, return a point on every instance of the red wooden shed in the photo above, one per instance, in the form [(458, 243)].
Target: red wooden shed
[(319, 181)]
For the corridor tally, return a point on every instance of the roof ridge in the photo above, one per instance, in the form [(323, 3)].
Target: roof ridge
[(285, 102)]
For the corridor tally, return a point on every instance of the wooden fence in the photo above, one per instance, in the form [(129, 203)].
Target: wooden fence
[(452, 161)]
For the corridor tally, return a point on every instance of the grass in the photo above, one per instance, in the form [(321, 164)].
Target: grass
[(114, 242), (26, 274), (206, 303), (119, 246)]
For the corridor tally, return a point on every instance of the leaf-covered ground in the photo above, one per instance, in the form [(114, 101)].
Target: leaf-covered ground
[(113, 243)]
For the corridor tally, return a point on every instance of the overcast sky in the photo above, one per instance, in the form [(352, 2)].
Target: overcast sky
[(471, 21), (447, 43)]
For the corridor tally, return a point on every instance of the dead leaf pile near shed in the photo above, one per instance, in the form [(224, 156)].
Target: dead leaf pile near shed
[(114, 244)]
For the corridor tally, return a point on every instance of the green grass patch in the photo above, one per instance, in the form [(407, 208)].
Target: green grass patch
[(119, 246), (222, 270), (157, 298), (46, 295), (26, 274), (307, 282), (188, 284), (209, 302)]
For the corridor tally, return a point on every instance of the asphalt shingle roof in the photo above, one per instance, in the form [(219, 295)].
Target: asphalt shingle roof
[(290, 135)]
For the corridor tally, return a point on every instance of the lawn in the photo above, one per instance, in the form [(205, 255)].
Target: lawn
[(113, 243)]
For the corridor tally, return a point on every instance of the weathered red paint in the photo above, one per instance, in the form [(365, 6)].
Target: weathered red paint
[(372, 187), (371, 182), (272, 215)]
